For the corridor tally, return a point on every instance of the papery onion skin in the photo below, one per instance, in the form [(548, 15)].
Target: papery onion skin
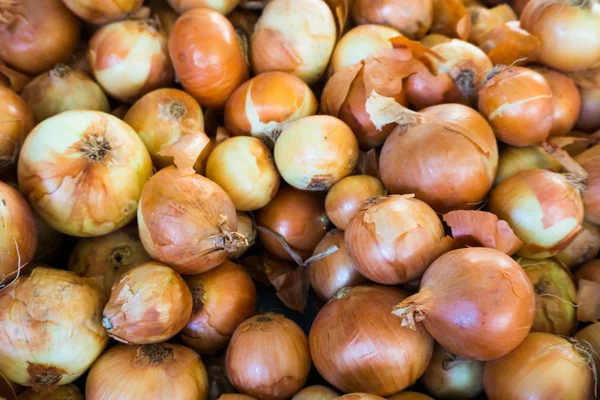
[(513, 160), (157, 371), (294, 36), (17, 121), (222, 6), (588, 160), (584, 247), (412, 18), (567, 101), (103, 11), (250, 364), (532, 367), (246, 228), (222, 299), (66, 392), (358, 345), (589, 114), (52, 325), (149, 304), (589, 271), (224, 68), (316, 392), (88, 181)]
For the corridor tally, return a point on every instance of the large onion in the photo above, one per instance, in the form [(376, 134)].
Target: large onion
[(583, 248), (17, 121), (412, 18), (589, 114), (66, 392), (513, 160), (52, 328), (566, 99), (589, 160), (357, 345), (316, 392), (222, 6), (477, 302), (86, 181), (103, 11)]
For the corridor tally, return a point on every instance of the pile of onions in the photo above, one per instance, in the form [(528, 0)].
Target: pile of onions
[(154, 371), (588, 160), (250, 364), (222, 6), (513, 160), (294, 36), (316, 392), (17, 121), (543, 208), (478, 303), (246, 228), (66, 392), (589, 114), (103, 11), (46, 93), (52, 328), (34, 36), (533, 367), (222, 299), (358, 345), (150, 303), (88, 180), (393, 239), (412, 18), (583, 248), (566, 99), (224, 65)]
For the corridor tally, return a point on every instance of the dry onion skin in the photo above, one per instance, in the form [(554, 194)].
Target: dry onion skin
[(222, 298), (358, 345), (583, 248), (222, 6), (46, 93), (250, 364), (316, 392), (530, 371), (103, 11), (412, 18), (16, 121), (65, 392), (294, 36), (589, 114), (589, 160), (88, 180), (52, 328), (478, 303), (566, 99), (246, 228), (153, 371), (514, 159)]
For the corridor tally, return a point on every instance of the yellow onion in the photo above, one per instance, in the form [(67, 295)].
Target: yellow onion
[(150, 303), (222, 6), (12, 79), (583, 248), (508, 44), (450, 19), (357, 345), (86, 181), (48, 241), (66, 392), (406, 395), (222, 299), (250, 364), (434, 39), (103, 11), (544, 366), (591, 335), (246, 228), (316, 392), (63, 89), (130, 59), (543, 208), (513, 160), (412, 18), (52, 328), (152, 371), (589, 114), (591, 198), (16, 121), (566, 99), (294, 36)]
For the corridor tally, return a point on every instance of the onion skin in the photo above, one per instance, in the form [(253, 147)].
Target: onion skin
[(588, 160), (66, 392), (53, 329), (527, 369), (246, 228), (225, 67), (589, 114), (412, 18), (589, 271), (88, 181), (513, 160), (509, 44), (584, 247), (567, 101), (222, 299), (165, 14), (222, 6), (316, 392), (591, 334), (103, 11), (17, 121), (250, 364), (156, 371), (358, 345)]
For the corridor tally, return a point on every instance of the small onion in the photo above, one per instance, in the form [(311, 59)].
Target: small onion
[(588, 160), (589, 114), (246, 228), (103, 11), (316, 392), (583, 248), (358, 345), (513, 160), (153, 371), (16, 121), (150, 303), (251, 366), (412, 18), (87, 181), (222, 299), (52, 328), (66, 392), (222, 6), (449, 18), (566, 99)]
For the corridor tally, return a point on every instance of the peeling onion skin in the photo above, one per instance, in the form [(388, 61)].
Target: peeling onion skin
[(250, 364), (514, 159), (65, 392), (52, 328), (222, 6), (246, 228), (566, 99), (589, 160), (358, 345), (589, 114), (88, 181), (17, 121), (223, 298), (530, 371), (158, 371), (294, 36), (316, 392), (103, 11), (584, 247), (412, 18)]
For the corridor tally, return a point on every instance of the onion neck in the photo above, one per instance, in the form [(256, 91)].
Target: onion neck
[(226, 240), (198, 297), (154, 354), (118, 256), (95, 148), (44, 377), (60, 71), (414, 308), (176, 110)]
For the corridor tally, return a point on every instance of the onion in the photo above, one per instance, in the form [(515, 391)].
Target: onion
[(246, 228), (251, 366), (316, 392), (449, 18), (519, 5), (11, 79), (393, 239), (222, 6), (532, 368), (591, 334), (222, 298), (52, 328), (588, 160), (46, 93), (17, 121), (150, 303), (412, 18), (518, 103), (451, 377), (553, 216), (187, 221), (589, 114), (294, 36), (409, 396), (87, 181), (164, 13), (513, 160), (265, 104), (434, 39), (478, 303), (357, 345), (584, 247), (509, 44), (154, 371), (361, 396), (224, 65), (589, 271), (244, 168), (484, 20), (569, 31), (130, 59), (567, 101), (66, 392), (103, 11)]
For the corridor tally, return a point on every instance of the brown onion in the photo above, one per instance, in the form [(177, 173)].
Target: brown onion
[(478, 303), (251, 366), (513, 160), (17, 121), (449, 18), (222, 6), (584, 247), (588, 160), (246, 228), (567, 101), (357, 345), (103, 11), (316, 392), (153, 371), (589, 114), (66, 392), (222, 299), (508, 44), (483, 20), (412, 18)]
